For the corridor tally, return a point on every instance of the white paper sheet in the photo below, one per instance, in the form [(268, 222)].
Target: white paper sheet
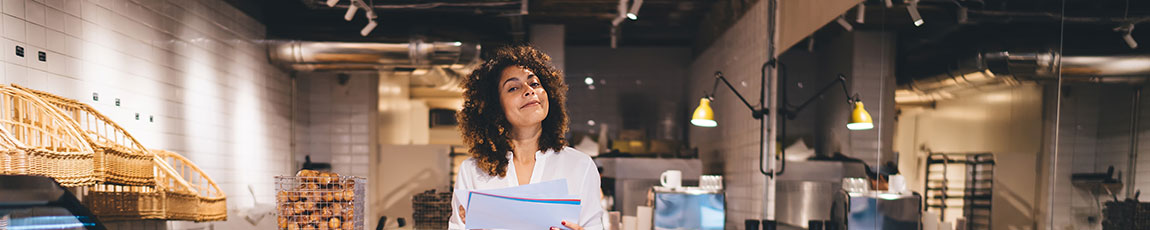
[(533, 206)]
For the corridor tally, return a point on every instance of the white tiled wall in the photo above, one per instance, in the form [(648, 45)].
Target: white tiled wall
[(1095, 134), (337, 126), (739, 53), (193, 65)]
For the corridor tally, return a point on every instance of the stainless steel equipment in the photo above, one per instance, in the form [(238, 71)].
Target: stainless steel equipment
[(628, 180), (37, 202), (689, 208), (806, 191), (879, 211)]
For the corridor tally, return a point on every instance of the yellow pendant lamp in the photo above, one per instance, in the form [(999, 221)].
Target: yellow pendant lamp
[(704, 116), (860, 118)]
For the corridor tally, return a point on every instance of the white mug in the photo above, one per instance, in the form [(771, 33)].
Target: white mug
[(671, 179)]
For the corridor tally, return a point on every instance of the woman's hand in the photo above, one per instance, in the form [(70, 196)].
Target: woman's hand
[(569, 225), (462, 214)]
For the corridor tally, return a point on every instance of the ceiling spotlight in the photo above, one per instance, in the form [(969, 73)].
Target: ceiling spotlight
[(846, 25), (1130, 41), (889, 3), (350, 11), (367, 29), (614, 37), (861, 13), (331, 3), (371, 14), (912, 8), (633, 14), (1126, 31), (588, 81), (622, 8)]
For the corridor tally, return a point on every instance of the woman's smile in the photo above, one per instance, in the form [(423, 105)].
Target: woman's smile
[(530, 104)]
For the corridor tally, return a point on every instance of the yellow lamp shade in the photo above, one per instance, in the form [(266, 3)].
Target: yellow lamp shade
[(860, 119), (704, 116)]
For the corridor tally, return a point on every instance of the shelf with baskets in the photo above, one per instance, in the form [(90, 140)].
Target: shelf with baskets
[(71, 142)]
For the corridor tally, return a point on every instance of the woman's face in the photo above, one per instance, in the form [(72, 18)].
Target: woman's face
[(522, 96)]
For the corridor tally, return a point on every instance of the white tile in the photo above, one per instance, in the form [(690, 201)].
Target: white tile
[(36, 79), (14, 7), (9, 51), (73, 25), (15, 74), (14, 28), (72, 7), (56, 41), (32, 58), (35, 35), (55, 19), (35, 13)]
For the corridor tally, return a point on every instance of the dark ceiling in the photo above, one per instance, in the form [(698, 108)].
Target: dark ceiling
[(588, 22), (1070, 26)]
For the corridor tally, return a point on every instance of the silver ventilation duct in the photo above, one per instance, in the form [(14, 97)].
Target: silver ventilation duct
[(1006, 69), (416, 56)]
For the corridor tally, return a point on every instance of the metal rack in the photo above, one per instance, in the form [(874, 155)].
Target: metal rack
[(973, 196)]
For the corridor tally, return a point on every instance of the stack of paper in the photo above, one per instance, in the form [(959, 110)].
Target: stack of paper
[(533, 206)]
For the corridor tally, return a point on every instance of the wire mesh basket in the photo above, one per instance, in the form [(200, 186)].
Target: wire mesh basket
[(432, 210), (320, 201)]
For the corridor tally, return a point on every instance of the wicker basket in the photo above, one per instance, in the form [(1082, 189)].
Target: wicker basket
[(13, 159), (125, 202), (119, 158), (172, 198), (49, 145), (206, 202)]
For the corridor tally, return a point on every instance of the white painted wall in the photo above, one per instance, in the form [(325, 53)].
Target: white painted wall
[(739, 53), (194, 65), (1006, 122)]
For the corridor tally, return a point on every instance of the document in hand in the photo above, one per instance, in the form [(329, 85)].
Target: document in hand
[(534, 206)]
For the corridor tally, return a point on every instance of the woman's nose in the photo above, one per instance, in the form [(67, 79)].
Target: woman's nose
[(530, 90)]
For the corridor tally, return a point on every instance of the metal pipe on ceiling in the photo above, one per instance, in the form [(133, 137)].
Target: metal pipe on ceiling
[(417, 57), (1007, 68)]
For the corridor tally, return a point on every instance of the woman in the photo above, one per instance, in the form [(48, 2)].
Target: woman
[(513, 120)]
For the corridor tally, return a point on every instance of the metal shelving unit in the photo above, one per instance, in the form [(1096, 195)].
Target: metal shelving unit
[(973, 196)]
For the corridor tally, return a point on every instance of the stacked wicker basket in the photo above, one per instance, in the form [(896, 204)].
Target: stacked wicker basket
[(44, 134)]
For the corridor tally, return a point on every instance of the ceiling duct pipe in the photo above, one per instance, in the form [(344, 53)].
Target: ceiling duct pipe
[(1042, 66), (1008, 69), (417, 56)]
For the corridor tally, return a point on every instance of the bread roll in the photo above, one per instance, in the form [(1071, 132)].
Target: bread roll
[(328, 197), (327, 212), (333, 223), (349, 195), (293, 196)]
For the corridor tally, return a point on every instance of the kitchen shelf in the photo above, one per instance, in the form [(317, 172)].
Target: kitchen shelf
[(976, 189)]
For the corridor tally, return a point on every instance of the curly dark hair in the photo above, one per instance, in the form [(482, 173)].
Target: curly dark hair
[(484, 125)]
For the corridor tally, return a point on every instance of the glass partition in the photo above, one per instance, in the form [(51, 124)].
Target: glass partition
[(1097, 166)]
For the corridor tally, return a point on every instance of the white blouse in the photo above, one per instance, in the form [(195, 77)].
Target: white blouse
[(580, 171)]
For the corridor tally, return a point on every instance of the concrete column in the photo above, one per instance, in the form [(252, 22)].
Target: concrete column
[(549, 38)]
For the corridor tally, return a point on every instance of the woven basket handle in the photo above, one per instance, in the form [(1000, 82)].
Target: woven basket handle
[(40, 95), (70, 128)]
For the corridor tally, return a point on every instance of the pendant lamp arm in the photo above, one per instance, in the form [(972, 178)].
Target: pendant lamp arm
[(757, 113), (841, 80)]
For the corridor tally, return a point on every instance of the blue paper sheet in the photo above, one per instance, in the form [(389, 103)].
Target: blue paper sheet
[(533, 206)]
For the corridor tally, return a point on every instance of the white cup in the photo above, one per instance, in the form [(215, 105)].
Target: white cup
[(897, 184), (711, 182), (671, 179)]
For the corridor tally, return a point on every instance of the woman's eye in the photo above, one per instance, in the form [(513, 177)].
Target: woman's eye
[(535, 84), (512, 89)]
